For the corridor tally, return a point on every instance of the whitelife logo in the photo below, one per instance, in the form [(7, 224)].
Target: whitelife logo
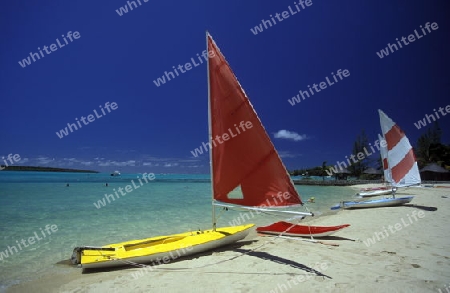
[(423, 123), (284, 15), (124, 9), (102, 202), (243, 125), (90, 118), (411, 38), (35, 56), (9, 158), (31, 240), (323, 85)]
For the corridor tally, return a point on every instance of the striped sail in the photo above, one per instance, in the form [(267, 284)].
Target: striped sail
[(384, 159), (400, 155)]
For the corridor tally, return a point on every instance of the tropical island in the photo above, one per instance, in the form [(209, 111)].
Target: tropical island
[(44, 169)]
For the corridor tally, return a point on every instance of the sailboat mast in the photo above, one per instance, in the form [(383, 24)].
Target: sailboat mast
[(210, 139)]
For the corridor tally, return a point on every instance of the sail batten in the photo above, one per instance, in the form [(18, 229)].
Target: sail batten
[(247, 159), (400, 155)]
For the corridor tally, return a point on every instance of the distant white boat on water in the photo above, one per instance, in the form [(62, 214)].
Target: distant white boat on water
[(115, 173)]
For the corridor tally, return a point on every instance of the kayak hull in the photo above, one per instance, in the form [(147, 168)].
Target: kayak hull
[(289, 229), (157, 250)]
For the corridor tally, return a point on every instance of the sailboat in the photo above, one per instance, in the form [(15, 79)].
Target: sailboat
[(402, 169), (241, 157)]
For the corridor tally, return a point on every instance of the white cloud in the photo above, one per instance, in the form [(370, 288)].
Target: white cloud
[(286, 134), (117, 164), (170, 164), (44, 160), (287, 154), (22, 161)]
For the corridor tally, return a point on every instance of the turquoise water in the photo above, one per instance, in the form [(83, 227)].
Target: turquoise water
[(172, 203)]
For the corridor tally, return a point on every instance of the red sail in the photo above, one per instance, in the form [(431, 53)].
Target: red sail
[(242, 153)]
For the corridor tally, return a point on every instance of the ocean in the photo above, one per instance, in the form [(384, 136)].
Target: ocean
[(42, 219)]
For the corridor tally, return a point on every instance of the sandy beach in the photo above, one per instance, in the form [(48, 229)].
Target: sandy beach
[(397, 249)]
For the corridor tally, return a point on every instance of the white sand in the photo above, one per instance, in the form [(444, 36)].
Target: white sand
[(416, 258)]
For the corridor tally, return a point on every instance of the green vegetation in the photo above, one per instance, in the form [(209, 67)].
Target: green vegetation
[(315, 171), (429, 148), (45, 169), (360, 146)]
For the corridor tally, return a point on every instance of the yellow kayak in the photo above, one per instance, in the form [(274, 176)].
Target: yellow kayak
[(157, 250)]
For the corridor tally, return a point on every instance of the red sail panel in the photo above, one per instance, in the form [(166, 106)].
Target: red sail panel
[(400, 170), (393, 136), (385, 164), (242, 153)]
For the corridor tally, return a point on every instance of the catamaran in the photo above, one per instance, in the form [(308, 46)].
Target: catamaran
[(402, 169), (244, 160)]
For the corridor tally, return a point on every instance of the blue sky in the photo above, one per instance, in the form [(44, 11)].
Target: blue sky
[(154, 129)]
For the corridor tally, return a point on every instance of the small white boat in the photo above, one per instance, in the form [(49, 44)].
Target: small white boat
[(376, 203), (374, 193), (115, 173)]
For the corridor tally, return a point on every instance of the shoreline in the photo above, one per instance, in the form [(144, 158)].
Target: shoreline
[(415, 258)]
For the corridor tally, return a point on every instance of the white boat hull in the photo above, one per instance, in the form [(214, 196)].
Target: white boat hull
[(374, 193), (377, 203)]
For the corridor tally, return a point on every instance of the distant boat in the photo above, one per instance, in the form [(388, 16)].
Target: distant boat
[(288, 229), (237, 163), (401, 165), (115, 173)]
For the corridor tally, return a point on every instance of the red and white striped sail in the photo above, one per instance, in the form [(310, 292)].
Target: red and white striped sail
[(384, 152), (401, 159)]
